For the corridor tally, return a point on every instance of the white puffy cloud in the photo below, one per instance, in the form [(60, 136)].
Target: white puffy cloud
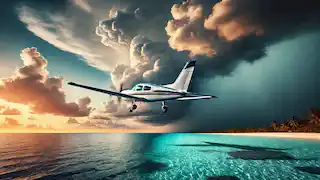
[(73, 33), (31, 85), (149, 62), (186, 31)]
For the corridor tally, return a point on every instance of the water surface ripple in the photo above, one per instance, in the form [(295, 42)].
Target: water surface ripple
[(156, 156)]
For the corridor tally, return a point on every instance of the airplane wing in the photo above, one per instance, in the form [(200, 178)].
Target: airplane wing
[(195, 97), (113, 93), (184, 98)]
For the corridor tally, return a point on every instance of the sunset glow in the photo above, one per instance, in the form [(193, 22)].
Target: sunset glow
[(24, 109)]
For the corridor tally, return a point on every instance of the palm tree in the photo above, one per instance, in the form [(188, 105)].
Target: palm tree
[(314, 116), (274, 125), (293, 124), (284, 127)]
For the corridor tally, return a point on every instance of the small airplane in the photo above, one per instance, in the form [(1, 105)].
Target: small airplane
[(145, 92)]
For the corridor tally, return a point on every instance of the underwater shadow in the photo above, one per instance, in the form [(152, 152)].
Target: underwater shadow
[(223, 178), (257, 155), (309, 169), (252, 152), (147, 166), (150, 166), (261, 155), (244, 147), (192, 145)]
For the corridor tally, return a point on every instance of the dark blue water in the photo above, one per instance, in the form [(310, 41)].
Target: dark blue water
[(156, 156)]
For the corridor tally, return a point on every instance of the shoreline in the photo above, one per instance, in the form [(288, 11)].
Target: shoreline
[(308, 136), (302, 135)]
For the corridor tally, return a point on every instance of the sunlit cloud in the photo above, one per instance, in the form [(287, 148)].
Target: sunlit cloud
[(10, 111), (30, 85), (23, 109), (10, 123)]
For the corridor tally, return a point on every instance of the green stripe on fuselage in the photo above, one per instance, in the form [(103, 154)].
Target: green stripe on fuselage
[(157, 93)]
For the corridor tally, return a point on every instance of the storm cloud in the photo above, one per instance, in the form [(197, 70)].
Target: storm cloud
[(155, 38), (235, 21), (31, 85), (231, 32), (219, 38)]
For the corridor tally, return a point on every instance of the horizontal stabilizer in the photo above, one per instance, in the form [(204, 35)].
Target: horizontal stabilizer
[(195, 98)]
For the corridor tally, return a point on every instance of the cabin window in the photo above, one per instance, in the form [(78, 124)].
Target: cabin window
[(139, 88), (146, 88)]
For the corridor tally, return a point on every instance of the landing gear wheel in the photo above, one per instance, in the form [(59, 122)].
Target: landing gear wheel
[(164, 109), (134, 106)]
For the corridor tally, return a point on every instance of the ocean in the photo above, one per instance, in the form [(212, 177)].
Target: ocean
[(156, 157)]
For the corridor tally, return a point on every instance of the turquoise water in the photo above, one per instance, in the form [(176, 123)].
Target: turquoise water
[(156, 156)]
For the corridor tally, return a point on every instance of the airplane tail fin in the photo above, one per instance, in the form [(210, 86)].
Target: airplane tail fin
[(183, 81)]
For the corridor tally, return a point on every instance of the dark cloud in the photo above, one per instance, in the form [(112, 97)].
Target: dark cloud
[(234, 23), (219, 35), (236, 30), (233, 18), (31, 86)]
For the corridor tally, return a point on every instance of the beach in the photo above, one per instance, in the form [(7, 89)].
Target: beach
[(310, 136)]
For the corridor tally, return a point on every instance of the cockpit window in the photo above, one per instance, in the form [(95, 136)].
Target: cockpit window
[(138, 88), (146, 88)]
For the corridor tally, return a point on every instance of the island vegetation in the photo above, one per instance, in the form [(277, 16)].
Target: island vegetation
[(308, 124)]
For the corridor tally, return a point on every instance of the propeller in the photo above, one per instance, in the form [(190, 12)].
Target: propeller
[(120, 89)]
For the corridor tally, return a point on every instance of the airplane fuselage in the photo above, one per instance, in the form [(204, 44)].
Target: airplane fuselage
[(153, 92)]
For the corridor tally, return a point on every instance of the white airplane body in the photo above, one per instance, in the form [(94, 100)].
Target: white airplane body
[(145, 92)]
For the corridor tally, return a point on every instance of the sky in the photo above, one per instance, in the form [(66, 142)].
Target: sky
[(259, 58)]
